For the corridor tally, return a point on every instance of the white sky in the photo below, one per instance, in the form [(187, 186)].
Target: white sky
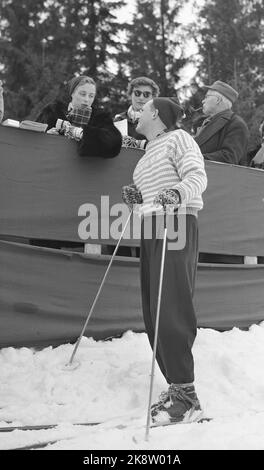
[(186, 16), (126, 13)]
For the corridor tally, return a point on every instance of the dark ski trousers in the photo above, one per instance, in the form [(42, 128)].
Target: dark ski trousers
[(177, 323)]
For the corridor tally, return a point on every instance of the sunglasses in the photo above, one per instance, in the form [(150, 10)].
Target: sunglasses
[(210, 94), (138, 93)]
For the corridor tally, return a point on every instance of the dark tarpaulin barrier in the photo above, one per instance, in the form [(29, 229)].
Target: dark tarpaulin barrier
[(43, 183), (232, 220), (45, 296)]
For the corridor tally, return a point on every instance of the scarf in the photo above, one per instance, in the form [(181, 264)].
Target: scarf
[(133, 115), (79, 116), (204, 123), (258, 160)]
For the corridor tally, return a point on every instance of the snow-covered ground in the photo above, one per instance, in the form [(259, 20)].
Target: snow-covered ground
[(112, 382)]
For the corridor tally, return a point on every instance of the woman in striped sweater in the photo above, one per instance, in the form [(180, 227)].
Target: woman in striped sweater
[(171, 174)]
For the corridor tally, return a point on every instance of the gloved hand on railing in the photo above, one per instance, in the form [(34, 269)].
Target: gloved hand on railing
[(131, 195), (72, 132)]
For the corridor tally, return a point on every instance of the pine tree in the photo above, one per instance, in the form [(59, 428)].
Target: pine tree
[(230, 40), (45, 42), (153, 47)]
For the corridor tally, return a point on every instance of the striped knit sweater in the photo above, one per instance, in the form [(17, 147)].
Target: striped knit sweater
[(172, 160)]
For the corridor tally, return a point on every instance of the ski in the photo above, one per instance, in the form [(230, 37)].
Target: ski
[(41, 427), (169, 423), (117, 421), (39, 445), (45, 443)]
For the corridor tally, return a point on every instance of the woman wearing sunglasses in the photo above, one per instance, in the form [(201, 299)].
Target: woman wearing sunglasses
[(140, 90)]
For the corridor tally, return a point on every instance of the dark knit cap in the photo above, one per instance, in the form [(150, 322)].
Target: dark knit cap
[(77, 81), (169, 110)]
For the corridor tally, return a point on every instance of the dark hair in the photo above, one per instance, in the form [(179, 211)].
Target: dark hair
[(143, 81), (75, 82)]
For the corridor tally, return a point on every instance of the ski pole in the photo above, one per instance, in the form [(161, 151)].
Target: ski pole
[(156, 328), (98, 292)]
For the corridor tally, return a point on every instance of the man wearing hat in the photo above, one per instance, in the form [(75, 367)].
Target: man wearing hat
[(169, 175), (223, 136)]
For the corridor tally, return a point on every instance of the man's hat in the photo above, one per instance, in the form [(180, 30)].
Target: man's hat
[(224, 89), (169, 110)]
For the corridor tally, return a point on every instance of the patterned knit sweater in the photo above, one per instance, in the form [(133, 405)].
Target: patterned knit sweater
[(172, 160)]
